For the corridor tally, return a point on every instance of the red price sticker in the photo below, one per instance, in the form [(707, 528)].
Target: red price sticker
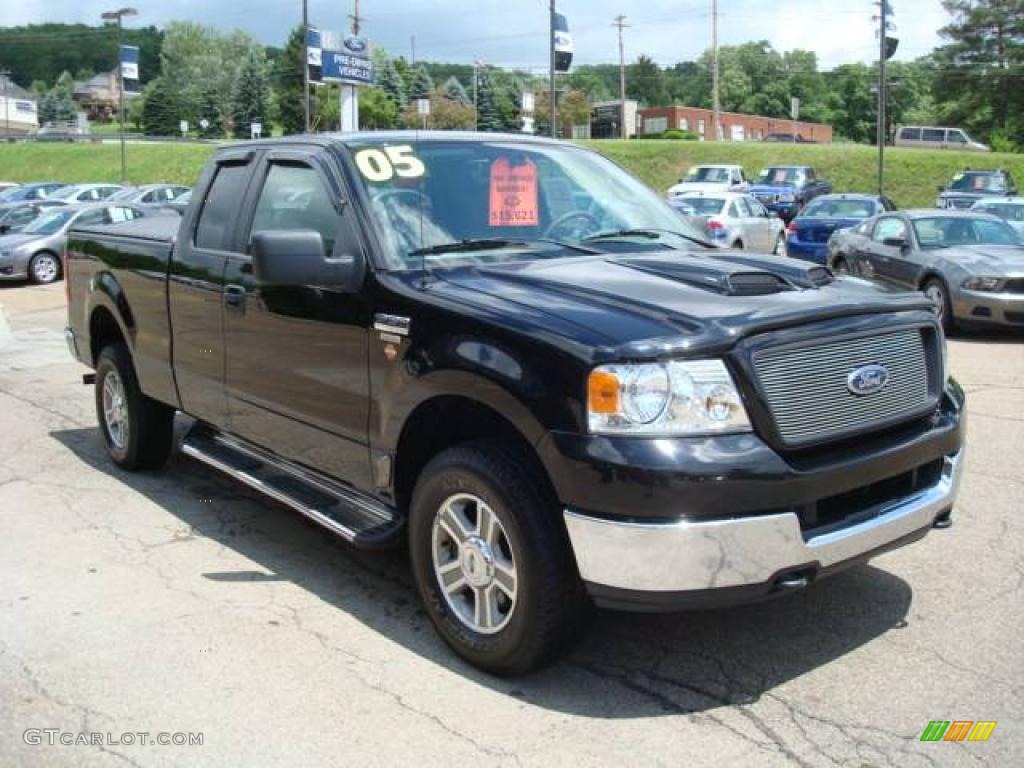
[(513, 194)]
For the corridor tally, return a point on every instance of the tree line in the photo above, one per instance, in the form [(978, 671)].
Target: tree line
[(227, 81)]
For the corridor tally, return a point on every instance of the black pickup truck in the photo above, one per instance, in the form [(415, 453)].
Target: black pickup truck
[(514, 355)]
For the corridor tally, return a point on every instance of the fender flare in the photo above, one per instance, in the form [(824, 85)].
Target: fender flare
[(108, 294)]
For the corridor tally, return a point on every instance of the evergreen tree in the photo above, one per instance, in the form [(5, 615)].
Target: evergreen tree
[(249, 98), (376, 109), (209, 110), (488, 118), (456, 91), (47, 108), (160, 113), (389, 81), (288, 83), (421, 86), (511, 106)]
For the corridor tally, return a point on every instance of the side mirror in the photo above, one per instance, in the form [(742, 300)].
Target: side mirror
[(299, 257), (895, 242)]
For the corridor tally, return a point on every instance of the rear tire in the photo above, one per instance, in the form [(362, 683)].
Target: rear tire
[(738, 245), (841, 266), (136, 429), (935, 289), (513, 599)]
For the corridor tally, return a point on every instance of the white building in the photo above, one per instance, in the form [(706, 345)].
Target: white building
[(18, 109)]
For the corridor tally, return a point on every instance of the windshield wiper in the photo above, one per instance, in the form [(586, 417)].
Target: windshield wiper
[(494, 244), (649, 234)]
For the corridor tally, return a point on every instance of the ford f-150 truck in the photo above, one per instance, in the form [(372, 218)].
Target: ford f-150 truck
[(512, 354), (785, 189)]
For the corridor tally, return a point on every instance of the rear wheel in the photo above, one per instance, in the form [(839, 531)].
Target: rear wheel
[(44, 268), (738, 245), (136, 429), (841, 266), (935, 289), (492, 561)]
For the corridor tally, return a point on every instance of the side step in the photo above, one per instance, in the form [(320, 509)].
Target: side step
[(356, 517)]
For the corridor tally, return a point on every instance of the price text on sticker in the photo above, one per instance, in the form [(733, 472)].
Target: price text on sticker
[(513, 194)]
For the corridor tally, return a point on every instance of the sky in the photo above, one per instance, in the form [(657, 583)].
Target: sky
[(512, 33)]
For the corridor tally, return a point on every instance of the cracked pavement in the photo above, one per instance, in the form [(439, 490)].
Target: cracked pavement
[(178, 601)]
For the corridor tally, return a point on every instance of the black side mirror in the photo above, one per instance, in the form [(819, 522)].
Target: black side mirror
[(895, 242), (299, 257)]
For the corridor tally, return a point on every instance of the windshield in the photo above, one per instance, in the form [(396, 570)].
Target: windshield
[(703, 206), (710, 175), (125, 194), (948, 231), (781, 176), (839, 209), (63, 193), (48, 223), (1008, 211), (978, 182), (441, 193)]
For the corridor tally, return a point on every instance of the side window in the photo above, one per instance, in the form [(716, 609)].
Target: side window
[(890, 226), (933, 134), (809, 172), (120, 214), (220, 208), (151, 197), (733, 211), (294, 197), (956, 137), (910, 134), (90, 218), (21, 216)]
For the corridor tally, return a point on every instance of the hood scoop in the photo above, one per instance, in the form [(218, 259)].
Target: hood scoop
[(719, 275)]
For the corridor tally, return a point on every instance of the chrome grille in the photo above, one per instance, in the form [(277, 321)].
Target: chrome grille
[(806, 387)]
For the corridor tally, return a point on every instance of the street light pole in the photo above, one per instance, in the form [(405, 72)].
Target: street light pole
[(882, 9), (119, 16), (5, 75), (551, 44)]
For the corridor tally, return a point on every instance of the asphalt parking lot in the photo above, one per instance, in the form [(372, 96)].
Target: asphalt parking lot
[(180, 602)]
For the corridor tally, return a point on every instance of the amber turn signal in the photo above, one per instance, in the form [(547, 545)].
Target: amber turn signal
[(603, 392)]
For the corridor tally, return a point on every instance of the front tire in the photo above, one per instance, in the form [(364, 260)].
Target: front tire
[(935, 289), (136, 429), (492, 561), (44, 268)]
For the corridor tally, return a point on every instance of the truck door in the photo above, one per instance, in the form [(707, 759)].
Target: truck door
[(297, 372), (195, 288)]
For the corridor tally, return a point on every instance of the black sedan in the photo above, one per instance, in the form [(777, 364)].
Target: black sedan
[(970, 264)]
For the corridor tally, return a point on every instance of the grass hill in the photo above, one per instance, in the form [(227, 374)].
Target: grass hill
[(912, 175)]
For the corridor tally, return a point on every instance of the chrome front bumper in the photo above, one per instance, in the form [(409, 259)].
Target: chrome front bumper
[(694, 556)]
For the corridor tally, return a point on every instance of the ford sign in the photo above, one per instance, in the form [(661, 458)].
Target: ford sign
[(355, 44), (867, 380)]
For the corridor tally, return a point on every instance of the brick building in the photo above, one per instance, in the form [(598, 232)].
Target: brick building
[(732, 126)]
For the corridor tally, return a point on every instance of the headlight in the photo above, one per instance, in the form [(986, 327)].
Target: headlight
[(696, 397), (988, 284)]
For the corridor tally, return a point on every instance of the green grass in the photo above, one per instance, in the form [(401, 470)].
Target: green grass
[(912, 175)]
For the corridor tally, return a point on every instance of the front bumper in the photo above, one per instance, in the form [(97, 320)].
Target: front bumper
[(691, 563), (1006, 309)]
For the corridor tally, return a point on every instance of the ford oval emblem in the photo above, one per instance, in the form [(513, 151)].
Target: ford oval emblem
[(867, 380), (355, 44)]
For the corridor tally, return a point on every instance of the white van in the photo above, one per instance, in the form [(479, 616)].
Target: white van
[(937, 138)]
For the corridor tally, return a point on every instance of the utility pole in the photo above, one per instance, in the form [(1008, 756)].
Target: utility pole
[(553, 108), (305, 64), (412, 41), (476, 106), (356, 19), (882, 14), (620, 22), (5, 75), (716, 107), (119, 16)]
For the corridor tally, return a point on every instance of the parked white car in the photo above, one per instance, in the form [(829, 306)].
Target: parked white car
[(1010, 209), (734, 220), (710, 178)]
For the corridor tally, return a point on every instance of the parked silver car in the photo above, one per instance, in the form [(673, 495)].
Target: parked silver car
[(14, 217), (84, 193), (1009, 209), (970, 264), (150, 194), (733, 220), (35, 253)]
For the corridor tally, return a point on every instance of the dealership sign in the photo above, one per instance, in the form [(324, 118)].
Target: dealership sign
[(337, 59), (130, 68), (563, 44)]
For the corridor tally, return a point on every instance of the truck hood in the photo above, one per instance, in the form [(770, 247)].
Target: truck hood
[(642, 305), (772, 189)]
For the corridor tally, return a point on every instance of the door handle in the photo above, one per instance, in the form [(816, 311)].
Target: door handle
[(234, 296)]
